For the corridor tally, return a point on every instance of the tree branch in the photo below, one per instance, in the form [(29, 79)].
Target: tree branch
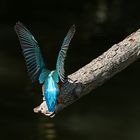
[(97, 72)]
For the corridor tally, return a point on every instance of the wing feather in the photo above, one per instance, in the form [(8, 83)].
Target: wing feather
[(31, 51), (62, 54)]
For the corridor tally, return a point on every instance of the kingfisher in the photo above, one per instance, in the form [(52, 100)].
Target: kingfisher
[(51, 81)]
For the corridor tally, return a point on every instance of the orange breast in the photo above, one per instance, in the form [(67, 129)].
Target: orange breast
[(59, 84)]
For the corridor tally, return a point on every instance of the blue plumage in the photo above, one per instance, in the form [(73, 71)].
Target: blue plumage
[(51, 91), (36, 66)]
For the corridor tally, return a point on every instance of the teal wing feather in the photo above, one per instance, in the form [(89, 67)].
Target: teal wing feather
[(31, 51), (62, 54)]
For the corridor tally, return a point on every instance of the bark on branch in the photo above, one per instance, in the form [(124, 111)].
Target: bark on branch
[(97, 72)]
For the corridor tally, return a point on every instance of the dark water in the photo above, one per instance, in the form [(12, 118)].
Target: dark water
[(110, 112)]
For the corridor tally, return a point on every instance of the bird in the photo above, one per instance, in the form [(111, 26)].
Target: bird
[(51, 81)]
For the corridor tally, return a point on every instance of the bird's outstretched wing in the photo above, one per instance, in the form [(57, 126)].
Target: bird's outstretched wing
[(62, 54), (31, 51)]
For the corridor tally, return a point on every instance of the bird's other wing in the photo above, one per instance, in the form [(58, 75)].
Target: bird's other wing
[(31, 51), (62, 54)]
